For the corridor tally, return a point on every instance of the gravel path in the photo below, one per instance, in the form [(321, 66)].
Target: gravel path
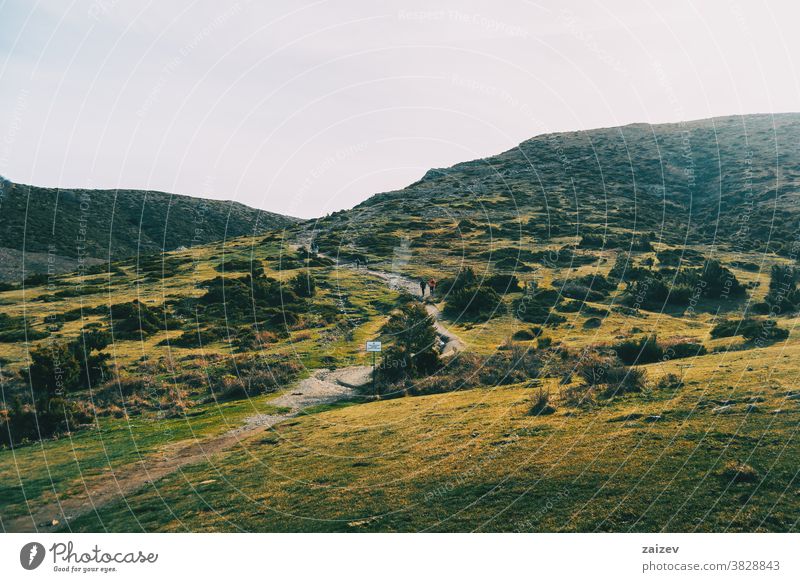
[(322, 387), (451, 343)]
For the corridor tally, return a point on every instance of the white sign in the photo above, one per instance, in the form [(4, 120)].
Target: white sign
[(373, 346)]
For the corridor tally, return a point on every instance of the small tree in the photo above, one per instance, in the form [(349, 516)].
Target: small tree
[(54, 369), (413, 349), (303, 284)]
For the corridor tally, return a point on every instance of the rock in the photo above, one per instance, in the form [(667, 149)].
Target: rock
[(653, 418), (54, 522), (727, 409)]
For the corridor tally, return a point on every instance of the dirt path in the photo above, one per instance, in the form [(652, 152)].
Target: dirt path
[(451, 343), (323, 387)]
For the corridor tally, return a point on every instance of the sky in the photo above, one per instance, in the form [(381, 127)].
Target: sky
[(305, 108)]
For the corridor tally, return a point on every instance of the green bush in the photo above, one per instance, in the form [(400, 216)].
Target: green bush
[(751, 329), (503, 283), (644, 350), (536, 305), (412, 345), (303, 284), (135, 320), (479, 303), (598, 371)]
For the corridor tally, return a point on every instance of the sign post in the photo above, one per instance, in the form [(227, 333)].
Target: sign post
[(375, 348)]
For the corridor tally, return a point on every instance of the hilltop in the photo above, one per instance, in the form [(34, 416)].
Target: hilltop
[(726, 182), (100, 225)]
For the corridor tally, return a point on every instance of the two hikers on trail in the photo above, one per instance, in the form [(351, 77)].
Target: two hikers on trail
[(430, 284)]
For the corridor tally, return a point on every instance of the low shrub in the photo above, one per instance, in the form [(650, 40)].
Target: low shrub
[(480, 303), (738, 472), (541, 404), (607, 372), (669, 382), (682, 348), (592, 323), (644, 350), (753, 330), (303, 284), (536, 307)]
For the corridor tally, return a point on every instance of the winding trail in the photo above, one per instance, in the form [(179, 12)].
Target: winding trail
[(451, 343), (322, 387)]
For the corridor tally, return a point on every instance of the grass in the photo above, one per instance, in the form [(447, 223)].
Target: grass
[(478, 461), (669, 458), (39, 473)]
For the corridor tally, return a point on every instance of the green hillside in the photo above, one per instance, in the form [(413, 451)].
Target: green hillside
[(103, 224), (730, 182), (610, 344)]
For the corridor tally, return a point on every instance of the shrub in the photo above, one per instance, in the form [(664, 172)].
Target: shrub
[(597, 370), (677, 349), (413, 349), (303, 284), (751, 329), (676, 256), (585, 288), (592, 241), (503, 283), (719, 281), (669, 382), (653, 293), (464, 278), (578, 396), (510, 367), (17, 329), (592, 323), (541, 404), (136, 320), (474, 302), (54, 369), (644, 350), (783, 295), (50, 417), (536, 307), (245, 377), (526, 334), (738, 472)]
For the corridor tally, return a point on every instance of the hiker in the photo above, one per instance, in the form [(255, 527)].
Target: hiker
[(431, 286), (422, 285), (357, 263)]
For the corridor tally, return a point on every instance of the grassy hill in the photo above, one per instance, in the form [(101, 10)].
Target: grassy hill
[(729, 182), (102, 224), (629, 364)]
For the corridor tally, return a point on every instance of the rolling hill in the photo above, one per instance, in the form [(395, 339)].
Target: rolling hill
[(611, 344), (731, 182), (98, 225)]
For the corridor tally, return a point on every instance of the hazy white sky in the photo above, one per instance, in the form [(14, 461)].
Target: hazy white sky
[(308, 107)]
